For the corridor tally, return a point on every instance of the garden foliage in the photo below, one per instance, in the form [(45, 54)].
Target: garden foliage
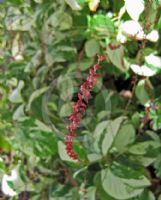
[(47, 48)]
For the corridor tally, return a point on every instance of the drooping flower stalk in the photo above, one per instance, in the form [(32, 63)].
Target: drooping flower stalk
[(80, 105)]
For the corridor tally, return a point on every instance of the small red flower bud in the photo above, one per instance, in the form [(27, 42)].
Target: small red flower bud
[(100, 58), (96, 66)]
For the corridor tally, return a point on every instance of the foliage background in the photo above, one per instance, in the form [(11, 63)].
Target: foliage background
[(46, 49)]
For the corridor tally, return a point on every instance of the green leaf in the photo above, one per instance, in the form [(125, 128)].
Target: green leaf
[(4, 144), (136, 119), (11, 185), (66, 22), (116, 56), (93, 5), (103, 102), (44, 143), (126, 131), (62, 152), (100, 191), (15, 96), (130, 173), (19, 113), (92, 47), (111, 132), (141, 148), (141, 92), (66, 87), (80, 151), (90, 194), (66, 110), (73, 4), (99, 130), (85, 64), (116, 187), (2, 165), (152, 135), (148, 195), (38, 1), (35, 95), (101, 24), (93, 157), (157, 166), (42, 127)]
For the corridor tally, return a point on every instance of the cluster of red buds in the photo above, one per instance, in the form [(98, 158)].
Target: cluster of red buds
[(80, 105)]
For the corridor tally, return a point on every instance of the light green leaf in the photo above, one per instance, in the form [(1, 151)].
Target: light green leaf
[(35, 95), (66, 110), (62, 152), (35, 62), (116, 187), (142, 148), (85, 64), (4, 144), (79, 150), (44, 143), (42, 127), (66, 87), (130, 173), (141, 93), (91, 193), (99, 130), (111, 132), (126, 131), (73, 4), (148, 195), (136, 119), (38, 1), (100, 191), (66, 22), (153, 135), (93, 157), (101, 24), (157, 165), (92, 47), (19, 113), (116, 56), (15, 96), (2, 165), (93, 4)]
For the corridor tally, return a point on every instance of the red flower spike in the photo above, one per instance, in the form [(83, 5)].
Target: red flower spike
[(91, 72), (96, 66), (79, 96), (113, 46), (97, 75), (100, 58), (79, 107)]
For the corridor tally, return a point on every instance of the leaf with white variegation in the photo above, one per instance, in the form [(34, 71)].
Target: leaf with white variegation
[(73, 4), (111, 132), (134, 8), (116, 187)]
